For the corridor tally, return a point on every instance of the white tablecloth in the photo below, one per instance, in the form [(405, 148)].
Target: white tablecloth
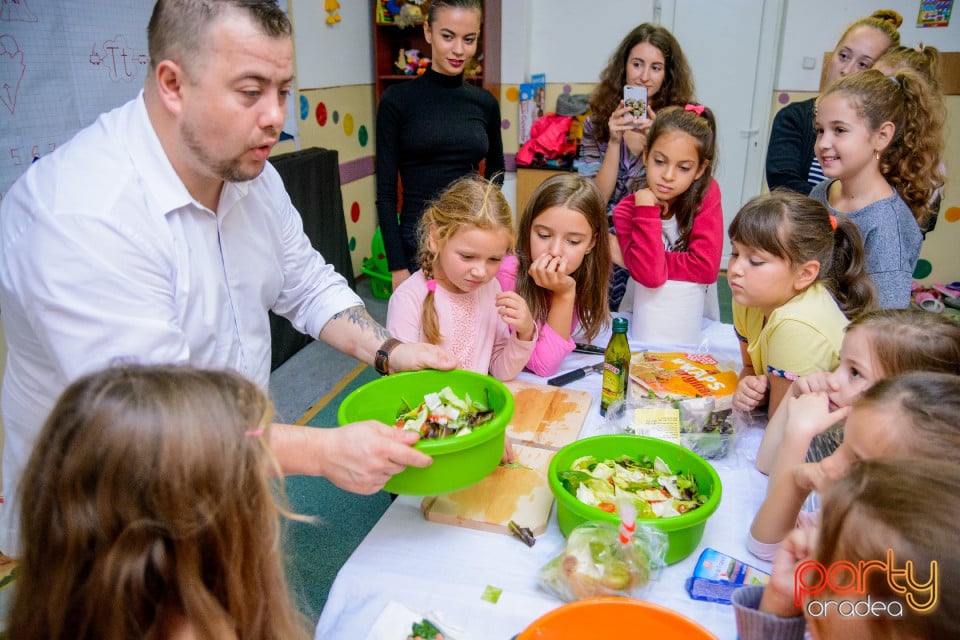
[(441, 571)]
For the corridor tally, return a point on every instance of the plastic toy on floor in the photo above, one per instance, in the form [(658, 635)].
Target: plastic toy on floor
[(938, 298), (950, 293)]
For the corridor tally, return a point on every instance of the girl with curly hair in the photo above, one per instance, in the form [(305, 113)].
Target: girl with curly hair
[(925, 60), (879, 142), (791, 162)]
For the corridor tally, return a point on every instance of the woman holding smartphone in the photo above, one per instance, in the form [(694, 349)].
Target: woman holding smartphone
[(613, 138)]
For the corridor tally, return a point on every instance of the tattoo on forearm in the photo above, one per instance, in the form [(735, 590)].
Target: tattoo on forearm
[(358, 315)]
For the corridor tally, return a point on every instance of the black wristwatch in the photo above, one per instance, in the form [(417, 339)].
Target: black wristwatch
[(381, 361)]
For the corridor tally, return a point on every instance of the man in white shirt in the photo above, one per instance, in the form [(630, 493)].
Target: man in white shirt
[(161, 234)]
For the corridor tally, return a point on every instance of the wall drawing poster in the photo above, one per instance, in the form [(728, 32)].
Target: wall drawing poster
[(62, 64)]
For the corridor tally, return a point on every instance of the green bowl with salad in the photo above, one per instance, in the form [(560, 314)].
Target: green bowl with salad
[(461, 417), (673, 488)]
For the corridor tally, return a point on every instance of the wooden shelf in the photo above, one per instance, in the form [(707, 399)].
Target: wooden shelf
[(393, 24), (404, 76)]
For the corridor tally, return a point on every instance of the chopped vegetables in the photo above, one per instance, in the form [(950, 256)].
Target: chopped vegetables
[(444, 415), (656, 491), (491, 594), (425, 630)]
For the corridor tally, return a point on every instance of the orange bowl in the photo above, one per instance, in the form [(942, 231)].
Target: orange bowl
[(613, 618)]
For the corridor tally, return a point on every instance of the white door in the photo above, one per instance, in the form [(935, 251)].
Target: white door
[(733, 48)]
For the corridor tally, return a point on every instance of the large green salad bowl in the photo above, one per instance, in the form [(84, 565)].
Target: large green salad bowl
[(684, 532), (458, 461)]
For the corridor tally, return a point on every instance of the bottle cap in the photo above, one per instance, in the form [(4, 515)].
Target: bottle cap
[(619, 325)]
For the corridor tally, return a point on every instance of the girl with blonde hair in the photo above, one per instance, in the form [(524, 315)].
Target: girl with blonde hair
[(454, 299)]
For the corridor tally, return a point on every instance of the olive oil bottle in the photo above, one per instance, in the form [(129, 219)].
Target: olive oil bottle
[(616, 366)]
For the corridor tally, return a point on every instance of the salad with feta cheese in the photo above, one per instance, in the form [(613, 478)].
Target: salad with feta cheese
[(656, 491), (444, 415)]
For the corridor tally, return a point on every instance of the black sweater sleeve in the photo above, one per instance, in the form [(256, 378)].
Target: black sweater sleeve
[(387, 150), (494, 161), (790, 151)]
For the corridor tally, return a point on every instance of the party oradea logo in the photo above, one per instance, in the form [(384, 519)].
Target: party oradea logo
[(846, 584)]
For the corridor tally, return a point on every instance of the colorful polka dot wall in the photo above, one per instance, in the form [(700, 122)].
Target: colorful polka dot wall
[(322, 115), (332, 119)]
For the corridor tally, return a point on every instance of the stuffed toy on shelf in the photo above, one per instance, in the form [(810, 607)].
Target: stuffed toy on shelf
[(410, 63), (332, 7)]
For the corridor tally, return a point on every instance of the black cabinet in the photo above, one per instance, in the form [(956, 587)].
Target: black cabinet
[(312, 178)]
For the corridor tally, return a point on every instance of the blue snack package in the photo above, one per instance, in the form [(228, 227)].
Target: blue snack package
[(717, 575)]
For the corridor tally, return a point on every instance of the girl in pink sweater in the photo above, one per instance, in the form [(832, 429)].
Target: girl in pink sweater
[(561, 266), (454, 300), (672, 228)]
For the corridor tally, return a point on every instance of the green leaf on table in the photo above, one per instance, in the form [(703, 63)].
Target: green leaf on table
[(491, 594)]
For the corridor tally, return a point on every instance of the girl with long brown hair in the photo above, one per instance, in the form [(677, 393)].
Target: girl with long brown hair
[(561, 266), (148, 513)]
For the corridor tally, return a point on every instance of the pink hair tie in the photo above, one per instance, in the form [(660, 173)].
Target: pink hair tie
[(833, 221), (253, 433), (431, 285), (696, 108)]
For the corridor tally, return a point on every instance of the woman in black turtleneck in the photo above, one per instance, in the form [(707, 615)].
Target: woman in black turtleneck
[(433, 130)]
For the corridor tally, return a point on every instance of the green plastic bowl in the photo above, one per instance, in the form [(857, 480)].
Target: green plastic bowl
[(457, 462), (684, 532)]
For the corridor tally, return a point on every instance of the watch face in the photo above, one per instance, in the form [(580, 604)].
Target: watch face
[(381, 361)]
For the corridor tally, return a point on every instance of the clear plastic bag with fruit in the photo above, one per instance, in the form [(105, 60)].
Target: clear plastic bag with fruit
[(602, 559)]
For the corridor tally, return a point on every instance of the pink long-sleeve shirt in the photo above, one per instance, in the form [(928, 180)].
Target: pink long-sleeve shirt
[(640, 234), (469, 323), (550, 348)]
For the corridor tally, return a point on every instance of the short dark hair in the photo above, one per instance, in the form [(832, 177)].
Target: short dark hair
[(436, 5), (798, 229), (177, 27)]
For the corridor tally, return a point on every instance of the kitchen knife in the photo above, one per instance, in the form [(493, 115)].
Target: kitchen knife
[(589, 348), (576, 374)]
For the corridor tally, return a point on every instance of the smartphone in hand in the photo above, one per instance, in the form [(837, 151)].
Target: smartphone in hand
[(635, 98)]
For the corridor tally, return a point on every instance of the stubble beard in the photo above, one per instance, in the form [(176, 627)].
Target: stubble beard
[(229, 170)]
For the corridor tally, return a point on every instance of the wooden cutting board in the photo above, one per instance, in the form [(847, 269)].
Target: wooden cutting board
[(544, 416), (509, 493)]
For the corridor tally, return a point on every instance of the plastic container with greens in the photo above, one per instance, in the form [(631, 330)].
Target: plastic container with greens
[(684, 531), (704, 425)]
